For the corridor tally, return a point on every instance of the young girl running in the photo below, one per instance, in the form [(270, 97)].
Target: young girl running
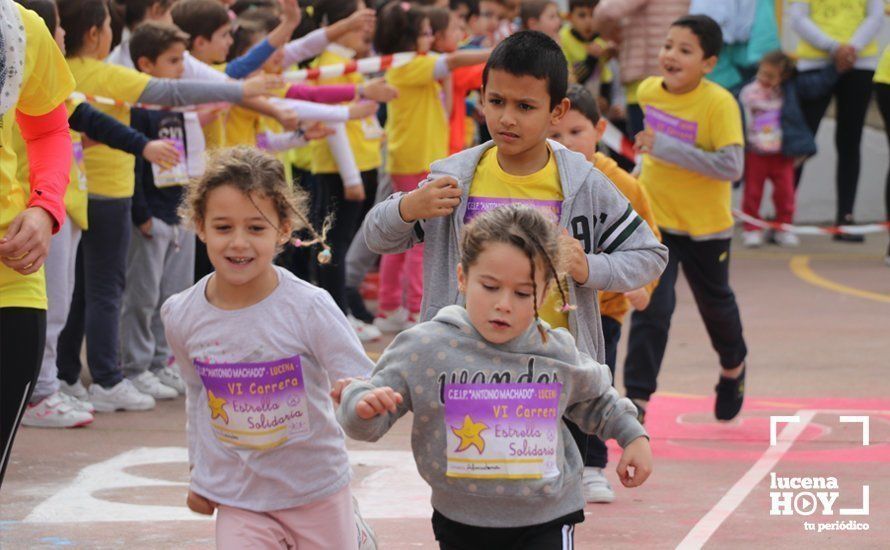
[(258, 348), (418, 111), (488, 435)]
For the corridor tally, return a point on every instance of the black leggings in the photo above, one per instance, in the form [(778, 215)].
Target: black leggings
[(348, 216), (852, 92), (882, 94), (22, 337)]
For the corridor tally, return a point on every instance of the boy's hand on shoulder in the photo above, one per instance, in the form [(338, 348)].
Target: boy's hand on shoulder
[(578, 267), (378, 401), (645, 141), (199, 504), (637, 456), (435, 199)]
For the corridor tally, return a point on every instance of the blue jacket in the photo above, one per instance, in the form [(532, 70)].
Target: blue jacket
[(797, 138)]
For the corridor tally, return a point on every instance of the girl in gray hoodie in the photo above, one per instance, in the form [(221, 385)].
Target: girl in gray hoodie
[(489, 385)]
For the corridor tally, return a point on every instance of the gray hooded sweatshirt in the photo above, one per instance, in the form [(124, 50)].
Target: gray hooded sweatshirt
[(488, 434), (622, 252)]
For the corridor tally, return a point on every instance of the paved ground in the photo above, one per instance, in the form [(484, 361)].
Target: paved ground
[(816, 321)]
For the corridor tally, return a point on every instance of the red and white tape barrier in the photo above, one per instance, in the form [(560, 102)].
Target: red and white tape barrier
[(367, 65)]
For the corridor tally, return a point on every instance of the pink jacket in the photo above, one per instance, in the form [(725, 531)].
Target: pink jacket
[(644, 26)]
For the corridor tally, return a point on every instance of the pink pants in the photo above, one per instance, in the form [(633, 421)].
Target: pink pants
[(402, 273), (328, 523)]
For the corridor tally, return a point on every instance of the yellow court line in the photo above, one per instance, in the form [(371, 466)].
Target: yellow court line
[(800, 266), (498, 460)]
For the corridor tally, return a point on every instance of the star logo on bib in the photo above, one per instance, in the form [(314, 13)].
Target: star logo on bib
[(470, 435), (217, 407)]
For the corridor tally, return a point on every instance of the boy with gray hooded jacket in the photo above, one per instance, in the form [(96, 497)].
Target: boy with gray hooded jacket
[(524, 91)]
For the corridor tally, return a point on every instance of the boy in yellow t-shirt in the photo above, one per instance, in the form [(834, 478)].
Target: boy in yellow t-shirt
[(693, 147)]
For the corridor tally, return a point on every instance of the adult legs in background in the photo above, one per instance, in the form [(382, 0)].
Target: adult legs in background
[(852, 92)]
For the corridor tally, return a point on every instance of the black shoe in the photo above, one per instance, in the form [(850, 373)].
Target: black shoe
[(356, 305), (847, 237), (730, 395)]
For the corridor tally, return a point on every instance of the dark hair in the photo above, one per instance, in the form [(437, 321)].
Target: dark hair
[(248, 27), (77, 17), (335, 10), (439, 19), (135, 10), (578, 4), (46, 9), (199, 18), (472, 6), (151, 39), (528, 230), (241, 7), (583, 102), (398, 28), (531, 53), (532, 9), (708, 32), (782, 60)]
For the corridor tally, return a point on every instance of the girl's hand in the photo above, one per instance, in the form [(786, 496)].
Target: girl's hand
[(337, 389), (288, 119), (25, 245), (261, 84), (645, 141), (377, 402), (435, 199), (145, 229), (354, 193), (199, 504), (378, 90), (639, 298), (361, 20), (637, 456), (161, 152), (362, 109)]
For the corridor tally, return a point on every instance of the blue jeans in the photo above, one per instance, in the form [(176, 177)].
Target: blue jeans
[(100, 272)]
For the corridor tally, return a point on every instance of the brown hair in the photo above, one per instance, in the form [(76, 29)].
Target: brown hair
[(439, 19), (528, 230), (254, 173), (151, 39), (782, 60), (532, 9), (199, 18)]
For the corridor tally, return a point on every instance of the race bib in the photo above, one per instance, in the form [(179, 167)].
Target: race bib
[(766, 129), (479, 205), (77, 150), (502, 431), (676, 127), (256, 405)]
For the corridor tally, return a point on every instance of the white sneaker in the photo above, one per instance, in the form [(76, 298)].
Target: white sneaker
[(54, 412), (123, 396), (76, 389), (786, 239), (77, 404), (366, 332), (169, 376), (595, 486), (149, 384), (367, 539), (392, 321), (752, 239)]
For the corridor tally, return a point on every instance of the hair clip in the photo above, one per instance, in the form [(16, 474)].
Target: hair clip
[(297, 243), (324, 257), (406, 6), (565, 308)]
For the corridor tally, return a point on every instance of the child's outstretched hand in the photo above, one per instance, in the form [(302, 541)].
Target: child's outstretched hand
[(337, 389), (199, 504), (435, 199), (377, 402), (638, 456), (261, 84), (377, 89), (645, 141)]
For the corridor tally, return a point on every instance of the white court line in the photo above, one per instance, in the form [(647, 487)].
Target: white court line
[(709, 524)]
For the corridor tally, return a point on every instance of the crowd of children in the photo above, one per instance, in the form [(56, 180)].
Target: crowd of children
[(222, 219)]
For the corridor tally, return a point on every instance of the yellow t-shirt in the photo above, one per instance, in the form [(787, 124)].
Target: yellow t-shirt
[(839, 19), (493, 187), (215, 130), (416, 123), (709, 118), (241, 125), (46, 83), (109, 171), (882, 74), (364, 143)]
